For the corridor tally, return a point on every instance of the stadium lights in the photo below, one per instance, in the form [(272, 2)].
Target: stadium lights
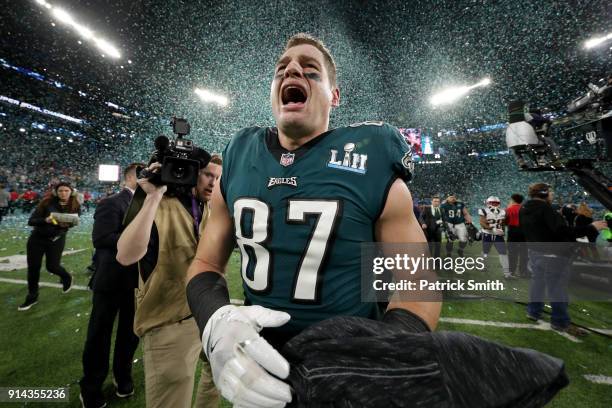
[(44, 3), (64, 17), (451, 95), (594, 42), (208, 96)]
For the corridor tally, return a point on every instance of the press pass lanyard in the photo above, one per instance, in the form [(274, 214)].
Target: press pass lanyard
[(195, 211)]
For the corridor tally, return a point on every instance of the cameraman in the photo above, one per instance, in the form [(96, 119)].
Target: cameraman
[(163, 238), (550, 267)]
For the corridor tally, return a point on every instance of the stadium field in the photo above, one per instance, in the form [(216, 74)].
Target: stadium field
[(42, 347)]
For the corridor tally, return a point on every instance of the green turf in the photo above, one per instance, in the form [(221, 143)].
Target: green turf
[(42, 347)]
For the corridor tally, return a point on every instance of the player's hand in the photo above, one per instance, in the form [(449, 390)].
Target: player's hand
[(498, 231), (600, 225), (147, 186), (243, 363)]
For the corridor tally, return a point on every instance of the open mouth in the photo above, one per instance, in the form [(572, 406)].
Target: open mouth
[(293, 94)]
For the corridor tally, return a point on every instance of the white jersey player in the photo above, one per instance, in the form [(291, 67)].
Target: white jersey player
[(492, 223)]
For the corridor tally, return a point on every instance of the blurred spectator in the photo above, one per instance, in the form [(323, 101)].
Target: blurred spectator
[(13, 197), (4, 201), (584, 217), (431, 222), (87, 197), (28, 200), (517, 249), (568, 211)]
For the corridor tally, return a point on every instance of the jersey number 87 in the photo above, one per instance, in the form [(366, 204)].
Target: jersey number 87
[(306, 281)]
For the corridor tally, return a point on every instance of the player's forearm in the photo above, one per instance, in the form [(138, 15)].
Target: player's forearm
[(199, 265), (133, 242), (428, 311), (467, 216)]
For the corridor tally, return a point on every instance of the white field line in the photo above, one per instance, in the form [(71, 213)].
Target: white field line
[(45, 284), (541, 325), (14, 262), (598, 379)]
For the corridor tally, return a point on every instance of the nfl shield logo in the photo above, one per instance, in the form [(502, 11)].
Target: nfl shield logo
[(287, 159)]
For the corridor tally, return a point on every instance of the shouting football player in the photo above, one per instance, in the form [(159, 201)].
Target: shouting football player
[(298, 199), (492, 223)]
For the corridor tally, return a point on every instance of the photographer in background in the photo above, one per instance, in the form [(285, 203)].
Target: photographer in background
[(113, 293), (550, 267), (163, 238), (48, 239)]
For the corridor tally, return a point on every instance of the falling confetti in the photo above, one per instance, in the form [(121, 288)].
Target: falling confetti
[(391, 59)]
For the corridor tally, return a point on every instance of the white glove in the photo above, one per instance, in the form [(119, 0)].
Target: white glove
[(241, 360), (498, 231)]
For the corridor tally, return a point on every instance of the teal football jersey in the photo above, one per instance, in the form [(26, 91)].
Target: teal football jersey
[(453, 213), (300, 217)]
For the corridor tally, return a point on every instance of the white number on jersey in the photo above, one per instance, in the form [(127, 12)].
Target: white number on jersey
[(307, 277)]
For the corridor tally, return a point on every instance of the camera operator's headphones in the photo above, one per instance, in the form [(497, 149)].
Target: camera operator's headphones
[(543, 192), (73, 192)]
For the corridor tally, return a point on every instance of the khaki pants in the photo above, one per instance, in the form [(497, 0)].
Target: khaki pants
[(170, 359)]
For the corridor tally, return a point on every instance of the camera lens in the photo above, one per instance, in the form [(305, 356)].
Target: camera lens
[(178, 172)]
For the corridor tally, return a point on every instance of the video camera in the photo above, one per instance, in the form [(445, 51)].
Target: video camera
[(585, 139), (180, 160), (598, 99)]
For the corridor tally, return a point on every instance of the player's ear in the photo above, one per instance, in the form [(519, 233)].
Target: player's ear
[(335, 97)]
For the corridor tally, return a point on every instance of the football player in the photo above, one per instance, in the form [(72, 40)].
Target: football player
[(455, 215), (492, 222), (298, 199)]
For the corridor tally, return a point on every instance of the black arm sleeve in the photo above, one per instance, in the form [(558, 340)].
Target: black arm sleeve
[(206, 293), (406, 320)]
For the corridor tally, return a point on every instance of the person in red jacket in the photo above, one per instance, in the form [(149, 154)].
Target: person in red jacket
[(28, 200), (13, 197), (517, 249)]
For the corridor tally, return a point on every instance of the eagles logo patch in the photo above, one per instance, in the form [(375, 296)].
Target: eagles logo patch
[(407, 161)]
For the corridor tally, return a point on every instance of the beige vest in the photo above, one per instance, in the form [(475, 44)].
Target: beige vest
[(162, 300)]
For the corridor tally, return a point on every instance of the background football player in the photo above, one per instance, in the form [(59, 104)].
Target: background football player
[(492, 222), (298, 199), (455, 215)]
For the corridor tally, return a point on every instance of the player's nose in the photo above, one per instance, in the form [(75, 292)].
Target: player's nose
[(293, 69)]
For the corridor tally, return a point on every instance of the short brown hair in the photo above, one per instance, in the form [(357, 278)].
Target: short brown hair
[(216, 159), (539, 190), (517, 198), (303, 38), (132, 166)]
